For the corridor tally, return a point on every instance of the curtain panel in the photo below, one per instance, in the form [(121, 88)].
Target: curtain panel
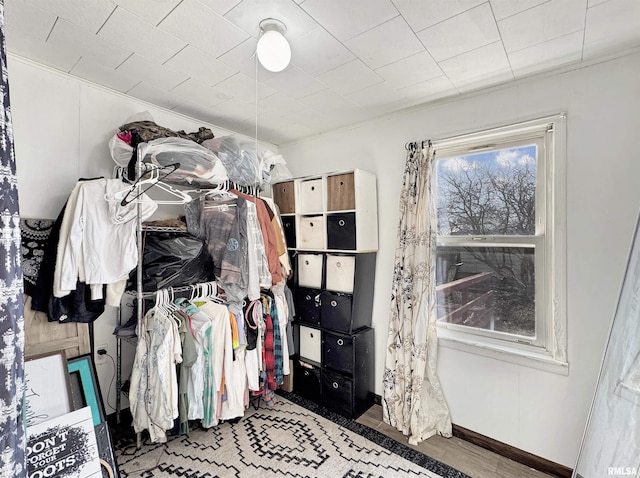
[(413, 401), (12, 432)]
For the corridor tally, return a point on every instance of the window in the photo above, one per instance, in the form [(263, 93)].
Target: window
[(500, 265)]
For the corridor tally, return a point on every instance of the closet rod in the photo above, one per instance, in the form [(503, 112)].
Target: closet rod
[(176, 290)]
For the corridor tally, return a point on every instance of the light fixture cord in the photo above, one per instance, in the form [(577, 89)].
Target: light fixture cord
[(256, 134)]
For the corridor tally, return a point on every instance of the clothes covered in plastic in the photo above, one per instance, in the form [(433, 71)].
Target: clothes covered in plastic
[(247, 164), (203, 159), (172, 259), (196, 165)]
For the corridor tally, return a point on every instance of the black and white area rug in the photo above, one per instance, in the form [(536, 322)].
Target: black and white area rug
[(286, 440)]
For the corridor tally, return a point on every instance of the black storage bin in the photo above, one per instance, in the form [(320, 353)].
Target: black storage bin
[(338, 393), (289, 228), (338, 313), (341, 231), (348, 353), (306, 380), (338, 352), (307, 302)]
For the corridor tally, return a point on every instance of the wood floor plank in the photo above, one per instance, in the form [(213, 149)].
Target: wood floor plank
[(459, 454)]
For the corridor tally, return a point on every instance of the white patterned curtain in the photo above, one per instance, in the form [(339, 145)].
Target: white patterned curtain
[(413, 401), (12, 433)]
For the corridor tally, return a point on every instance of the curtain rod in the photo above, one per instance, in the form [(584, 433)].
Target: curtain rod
[(524, 125)]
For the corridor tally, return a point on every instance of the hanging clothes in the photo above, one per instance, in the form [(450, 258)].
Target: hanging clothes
[(268, 234), (92, 233), (153, 393)]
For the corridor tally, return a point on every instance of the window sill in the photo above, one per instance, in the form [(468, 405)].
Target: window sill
[(527, 358)]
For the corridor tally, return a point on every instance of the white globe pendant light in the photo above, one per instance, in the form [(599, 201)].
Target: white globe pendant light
[(273, 50)]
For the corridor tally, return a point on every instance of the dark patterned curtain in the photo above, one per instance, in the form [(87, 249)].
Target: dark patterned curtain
[(12, 433)]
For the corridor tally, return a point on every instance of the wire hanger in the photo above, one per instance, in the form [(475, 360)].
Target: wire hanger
[(152, 176)]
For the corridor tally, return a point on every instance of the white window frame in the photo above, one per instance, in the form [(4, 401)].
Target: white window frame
[(548, 351)]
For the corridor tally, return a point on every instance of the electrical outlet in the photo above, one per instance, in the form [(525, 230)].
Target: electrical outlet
[(100, 359)]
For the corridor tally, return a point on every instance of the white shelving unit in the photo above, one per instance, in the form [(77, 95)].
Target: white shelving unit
[(335, 211)]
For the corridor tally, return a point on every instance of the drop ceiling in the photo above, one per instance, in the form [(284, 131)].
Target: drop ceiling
[(352, 60)]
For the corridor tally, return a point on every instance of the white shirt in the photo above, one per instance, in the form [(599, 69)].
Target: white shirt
[(97, 237)]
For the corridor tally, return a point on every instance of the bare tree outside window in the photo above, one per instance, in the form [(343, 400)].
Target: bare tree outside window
[(487, 196)]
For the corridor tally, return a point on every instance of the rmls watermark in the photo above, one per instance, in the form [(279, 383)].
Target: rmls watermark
[(622, 471)]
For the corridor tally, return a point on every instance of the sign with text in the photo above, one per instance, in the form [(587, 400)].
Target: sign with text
[(63, 447)]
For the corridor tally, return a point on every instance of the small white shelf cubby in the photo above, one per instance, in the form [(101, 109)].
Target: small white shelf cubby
[(330, 212)]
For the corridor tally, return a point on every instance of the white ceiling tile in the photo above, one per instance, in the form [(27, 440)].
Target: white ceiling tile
[(486, 81), (199, 93), (445, 41), (126, 30), (152, 11), (295, 82), (279, 105), (236, 108), (317, 121), (242, 87), (88, 14), (102, 75), (72, 38), (45, 53), (376, 95), (318, 52), (593, 3), (429, 90), (154, 74), (506, 8), (542, 23), (621, 16), (199, 65), (243, 58), (543, 56), (155, 96), (249, 13), (197, 110), (22, 18), (200, 26), (345, 20), (326, 101), (421, 14), (410, 70), (385, 43), (476, 65), (220, 6), (350, 77)]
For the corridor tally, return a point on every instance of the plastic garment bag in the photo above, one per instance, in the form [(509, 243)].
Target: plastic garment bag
[(172, 259)]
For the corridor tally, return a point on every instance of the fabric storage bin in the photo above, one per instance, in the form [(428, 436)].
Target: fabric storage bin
[(311, 232), (337, 393), (285, 197), (341, 192), (307, 302), (306, 380), (335, 313), (338, 353), (311, 196), (341, 231), (310, 270), (289, 229), (340, 272), (310, 344)]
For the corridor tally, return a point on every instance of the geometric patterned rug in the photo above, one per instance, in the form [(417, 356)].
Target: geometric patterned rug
[(285, 440)]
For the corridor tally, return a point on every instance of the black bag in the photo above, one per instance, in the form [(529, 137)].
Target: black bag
[(173, 259)]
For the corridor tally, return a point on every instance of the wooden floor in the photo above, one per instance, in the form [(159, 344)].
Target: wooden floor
[(459, 454)]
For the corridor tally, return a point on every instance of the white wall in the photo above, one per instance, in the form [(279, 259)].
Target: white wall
[(540, 412), (61, 128)]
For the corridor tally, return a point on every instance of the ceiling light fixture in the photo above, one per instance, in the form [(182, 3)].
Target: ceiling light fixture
[(273, 49)]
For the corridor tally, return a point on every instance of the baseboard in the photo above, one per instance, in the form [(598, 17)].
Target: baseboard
[(508, 451), (513, 453)]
